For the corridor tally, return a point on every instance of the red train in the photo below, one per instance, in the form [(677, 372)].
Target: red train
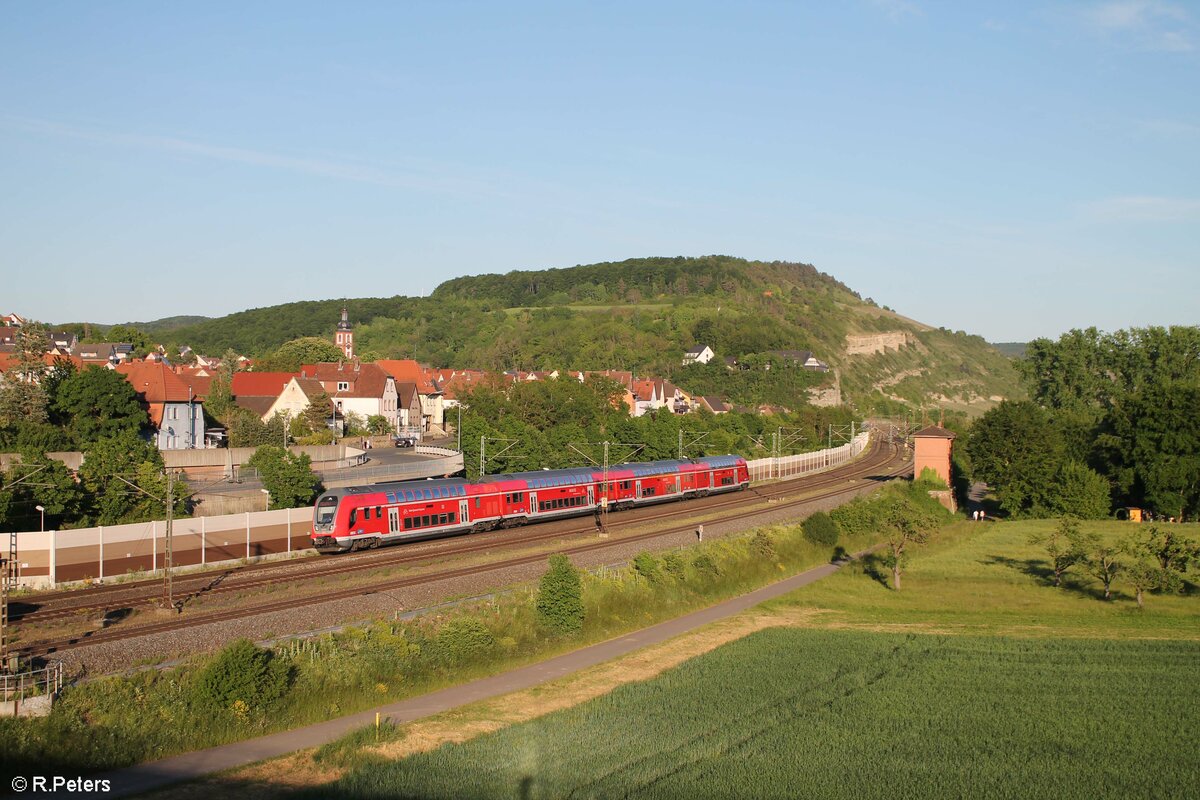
[(359, 517)]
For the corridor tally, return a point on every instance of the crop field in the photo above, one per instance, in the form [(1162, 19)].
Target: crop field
[(1006, 687), (793, 713)]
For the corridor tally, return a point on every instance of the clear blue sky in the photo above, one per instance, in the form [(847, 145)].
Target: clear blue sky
[(1009, 169)]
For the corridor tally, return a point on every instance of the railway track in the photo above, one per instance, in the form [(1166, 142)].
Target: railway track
[(881, 461)]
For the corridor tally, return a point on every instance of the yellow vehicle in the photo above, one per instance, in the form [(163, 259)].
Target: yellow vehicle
[(1131, 514)]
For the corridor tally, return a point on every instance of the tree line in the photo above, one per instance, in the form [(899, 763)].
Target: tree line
[(1112, 419)]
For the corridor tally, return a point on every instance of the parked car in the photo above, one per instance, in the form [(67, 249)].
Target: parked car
[(403, 441)]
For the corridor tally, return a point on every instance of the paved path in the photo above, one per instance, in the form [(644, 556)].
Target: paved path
[(154, 775)]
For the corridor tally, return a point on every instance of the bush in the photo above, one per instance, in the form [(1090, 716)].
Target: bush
[(859, 516), (463, 640), (706, 567), (820, 529), (763, 546), (1079, 492), (560, 598), (675, 566), (646, 565), (242, 677)]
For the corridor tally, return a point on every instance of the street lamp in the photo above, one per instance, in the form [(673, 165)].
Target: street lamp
[(266, 499), (42, 510)]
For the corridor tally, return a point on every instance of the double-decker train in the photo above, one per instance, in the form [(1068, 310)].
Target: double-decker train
[(359, 517)]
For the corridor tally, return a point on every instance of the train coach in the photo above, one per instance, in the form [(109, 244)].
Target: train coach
[(360, 517)]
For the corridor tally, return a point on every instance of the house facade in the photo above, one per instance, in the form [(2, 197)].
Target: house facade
[(700, 354), (358, 388)]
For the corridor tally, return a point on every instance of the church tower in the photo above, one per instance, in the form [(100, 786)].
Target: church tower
[(344, 338)]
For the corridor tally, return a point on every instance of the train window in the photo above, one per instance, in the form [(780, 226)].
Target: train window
[(452, 517), (378, 512), (353, 516), (408, 495), (408, 523), (325, 510), (477, 502), (726, 481)]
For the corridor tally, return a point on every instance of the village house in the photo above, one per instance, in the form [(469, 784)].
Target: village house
[(357, 388), (258, 392), (700, 354), (432, 412), (176, 409)]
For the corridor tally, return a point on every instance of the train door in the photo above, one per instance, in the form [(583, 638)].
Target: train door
[(591, 495), (464, 511), (393, 520), (710, 479), (676, 484), (533, 506), (637, 490)]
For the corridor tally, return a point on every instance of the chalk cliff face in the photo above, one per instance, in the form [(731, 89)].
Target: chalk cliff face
[(869, 344)]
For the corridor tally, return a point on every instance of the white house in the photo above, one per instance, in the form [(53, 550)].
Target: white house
[(700, 354)]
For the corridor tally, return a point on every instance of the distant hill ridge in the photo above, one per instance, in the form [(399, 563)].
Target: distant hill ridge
[(642, 314)]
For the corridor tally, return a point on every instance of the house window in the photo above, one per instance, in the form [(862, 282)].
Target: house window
[(343, 386)]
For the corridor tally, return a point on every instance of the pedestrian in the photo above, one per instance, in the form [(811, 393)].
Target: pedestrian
[(699, 533), (982, 515), (975, 515), (599, 520)]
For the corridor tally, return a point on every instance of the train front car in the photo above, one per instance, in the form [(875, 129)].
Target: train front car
[(325, 538)]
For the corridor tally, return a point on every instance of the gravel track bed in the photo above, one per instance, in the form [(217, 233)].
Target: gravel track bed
[(105, 658)]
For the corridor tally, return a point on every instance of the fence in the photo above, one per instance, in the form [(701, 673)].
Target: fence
[(114, 551), (762, 469), (30, 693)]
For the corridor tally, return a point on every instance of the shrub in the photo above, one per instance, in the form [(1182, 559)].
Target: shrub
[(646, 566), (706, 567), (560, 598), (674, 564), (245, 674), (463, 640), (821, 529), (859, 516), (763, 546)]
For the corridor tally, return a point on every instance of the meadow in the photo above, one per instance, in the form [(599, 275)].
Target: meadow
[(979, 679)]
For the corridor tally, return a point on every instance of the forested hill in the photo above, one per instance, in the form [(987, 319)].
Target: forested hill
[(641, 315), (639, 279)]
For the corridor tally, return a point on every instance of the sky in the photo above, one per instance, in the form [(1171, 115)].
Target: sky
[(1009, 169)]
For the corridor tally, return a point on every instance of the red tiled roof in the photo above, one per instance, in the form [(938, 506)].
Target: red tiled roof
[(366, 380), (408, 371), (155, 382), (260, 384)]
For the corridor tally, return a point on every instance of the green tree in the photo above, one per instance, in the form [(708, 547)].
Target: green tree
[(307, 350), (1080, 492), (560, 598), (22, 396), (378, 425), (1016, 451), (1103, 562), (142, 344), (126, 480), (99, 403), (316, 414), (1065, 545), (905, 524), (287, 476)]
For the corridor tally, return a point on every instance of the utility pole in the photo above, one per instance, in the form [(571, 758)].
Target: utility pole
[(168, 577), (459, 427), (482, 457)]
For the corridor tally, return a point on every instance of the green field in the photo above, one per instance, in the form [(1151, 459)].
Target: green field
[(1007, 687)]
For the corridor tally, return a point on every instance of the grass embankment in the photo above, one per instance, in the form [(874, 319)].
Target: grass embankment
[(118, 721), (978, 679)]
